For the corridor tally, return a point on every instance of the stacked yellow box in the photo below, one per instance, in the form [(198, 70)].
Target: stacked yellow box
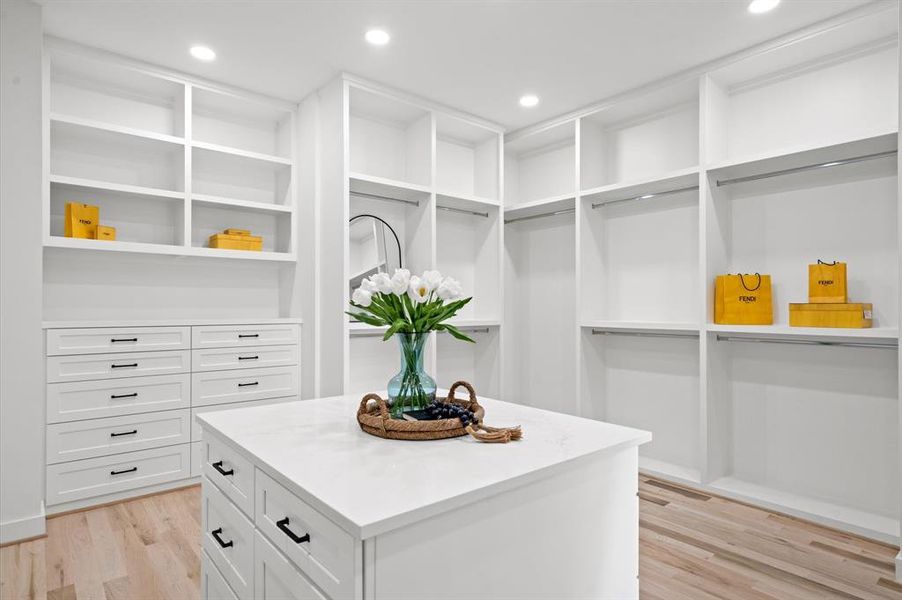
[(828, 304), (236, 239)]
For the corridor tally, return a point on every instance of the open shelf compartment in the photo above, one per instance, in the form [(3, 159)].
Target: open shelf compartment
[(540, 165), (466, 159), (231, 121)]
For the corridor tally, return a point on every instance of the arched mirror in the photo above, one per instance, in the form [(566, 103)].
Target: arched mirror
[(374, 248)]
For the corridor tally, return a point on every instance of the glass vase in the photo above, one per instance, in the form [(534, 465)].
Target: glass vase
[(412, 388)]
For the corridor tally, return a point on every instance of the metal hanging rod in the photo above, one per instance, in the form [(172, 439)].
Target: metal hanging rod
[(824, 165), (471, 330), (649, 334), (548, 214), (386, 198), (363, 333), (647, 196), (729, 338), (463, 211)]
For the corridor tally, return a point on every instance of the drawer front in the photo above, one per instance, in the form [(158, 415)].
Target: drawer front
[(222, 359), (327, 556), (103, 340), (114, 397), (96, 476), (233, 473), (228, 537), (102, 437), (276, 578), (225, 336), (213, 585), (109, 366), (222, 387), (197, 430)]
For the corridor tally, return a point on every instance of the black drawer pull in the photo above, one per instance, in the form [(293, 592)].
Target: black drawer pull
[(248, 358), (132, 432), (132, 470), (216, 533), (248, 384), (248, 335), (283, 525), (124, 366), (117, 396), (114, 340), (218, 467)]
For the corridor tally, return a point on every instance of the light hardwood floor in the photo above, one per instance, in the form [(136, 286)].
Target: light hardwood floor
[(692, 546)]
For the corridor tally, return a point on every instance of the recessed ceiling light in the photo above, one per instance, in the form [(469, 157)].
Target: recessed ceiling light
[(762, 6), (529, 100), (202, 53), (377, 37)]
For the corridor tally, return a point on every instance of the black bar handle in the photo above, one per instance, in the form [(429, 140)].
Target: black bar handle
[(283, 525), (124, 366), (117, 396), (132, 432), (132, 470), (218, 467), (114, 340), (248, 335), (247, 384), (248, 358), (216, 533)]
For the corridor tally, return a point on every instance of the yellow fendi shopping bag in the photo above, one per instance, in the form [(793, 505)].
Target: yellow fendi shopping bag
[(827, 283), (743, 300), (81, 220)]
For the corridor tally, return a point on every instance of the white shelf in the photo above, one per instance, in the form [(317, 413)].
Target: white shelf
[(642, 326), (211, 200), (628, 190), (171, 322), (466, 202), (540, 207), (137, 190), (259, 156), (92, 124), (388, 188), (875, 334), (864, 523), (163, 249), (671, 471)]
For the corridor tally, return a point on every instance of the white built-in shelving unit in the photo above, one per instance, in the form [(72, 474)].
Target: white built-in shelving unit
[(169, 160), (619, 218)]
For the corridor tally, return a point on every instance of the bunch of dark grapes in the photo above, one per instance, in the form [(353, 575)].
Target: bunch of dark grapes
[(446, 410)]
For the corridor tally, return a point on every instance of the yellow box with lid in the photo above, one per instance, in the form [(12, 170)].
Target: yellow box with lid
[(105, 232), (852, 315), (231, 231), (236, 242)]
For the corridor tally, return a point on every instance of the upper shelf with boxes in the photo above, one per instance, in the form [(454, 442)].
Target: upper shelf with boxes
[(165, 161)]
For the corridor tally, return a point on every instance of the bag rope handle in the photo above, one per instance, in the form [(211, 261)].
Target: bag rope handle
[(823, 262), (747, 288)]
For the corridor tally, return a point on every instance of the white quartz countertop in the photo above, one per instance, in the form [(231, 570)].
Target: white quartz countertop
[(369, 485)]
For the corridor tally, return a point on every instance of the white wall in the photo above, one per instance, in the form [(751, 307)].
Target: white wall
[(21, 347)]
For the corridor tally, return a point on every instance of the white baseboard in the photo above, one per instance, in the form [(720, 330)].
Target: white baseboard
[(899, 566), (22, 529)]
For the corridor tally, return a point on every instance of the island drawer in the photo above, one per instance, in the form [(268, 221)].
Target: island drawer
[(276, 578), (220, 387), (324, 551), (213, 585), (108, 366), (114, 435), (233, 473), (197, 430), (228, 538), (114, 397), (105, 340), (222, 359), (224, 336), (97, 476)]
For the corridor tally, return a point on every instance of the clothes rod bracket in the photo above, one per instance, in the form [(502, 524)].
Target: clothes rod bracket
[(386, 198), (823, 165), (647, 196), (648, 334), (463, 211), (761, 340), (548, 214)]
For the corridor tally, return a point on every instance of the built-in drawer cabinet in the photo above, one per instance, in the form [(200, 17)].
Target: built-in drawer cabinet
[(276, 578), (224, 336), (197, 459), (106, 340), (108, 366), (97, 476), (213, 585), (222, 359), (321, 549), (233, 473), (197, 430), (114, 397), (228, 538), (221, 387)]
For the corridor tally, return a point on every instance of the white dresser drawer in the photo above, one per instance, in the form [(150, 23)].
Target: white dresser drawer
[(197, 430), (223, 336), (221, 359), (233, 473), (114, 435), (220, 387), (103, 340), (213, 585), (113, 397), (228, 538), (324, 551), (97, 476), (276, 578), (109, 366)]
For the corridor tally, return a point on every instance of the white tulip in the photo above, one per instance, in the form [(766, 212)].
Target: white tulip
[(418, 290), (382, 283), (368, 286), (362, 297), (400, 282), (450, 289), (432, 279)]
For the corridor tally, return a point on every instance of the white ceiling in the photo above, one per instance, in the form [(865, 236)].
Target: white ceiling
[(478, 56)]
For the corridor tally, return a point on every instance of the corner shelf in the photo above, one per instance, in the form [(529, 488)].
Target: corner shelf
[(211, 200), (544, 206), (58, 242), (238, 152), (465, 201), (391, 189), (136, 190), (883, 335), (75, 123), (628, 190)]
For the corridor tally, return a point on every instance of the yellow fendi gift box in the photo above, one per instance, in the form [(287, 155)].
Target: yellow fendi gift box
[(855, 315), (236, 242), (81, 220), (105, 232)]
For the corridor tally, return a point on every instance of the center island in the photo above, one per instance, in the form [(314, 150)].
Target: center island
[(298, 502)]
